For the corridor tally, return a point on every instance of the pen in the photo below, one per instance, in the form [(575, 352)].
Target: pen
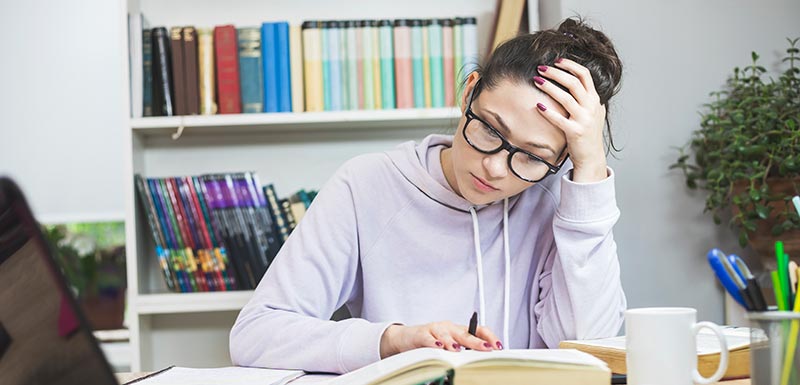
[(473, 324), (752, 289)]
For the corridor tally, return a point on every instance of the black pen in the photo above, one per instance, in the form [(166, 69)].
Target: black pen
[(473, 324)]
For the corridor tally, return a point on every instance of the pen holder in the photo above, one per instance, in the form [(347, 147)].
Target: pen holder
[(774, 348)]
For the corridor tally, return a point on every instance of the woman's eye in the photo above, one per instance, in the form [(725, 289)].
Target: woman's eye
[(488, 131)]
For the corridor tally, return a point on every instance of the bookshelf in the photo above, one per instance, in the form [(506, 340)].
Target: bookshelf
[(291, 150)]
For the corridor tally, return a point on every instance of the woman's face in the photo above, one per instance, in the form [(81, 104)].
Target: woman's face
[(509, 108)]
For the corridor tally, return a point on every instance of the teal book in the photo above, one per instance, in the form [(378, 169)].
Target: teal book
[(270, 65), (282, 67), (250, 70), (416, 63)]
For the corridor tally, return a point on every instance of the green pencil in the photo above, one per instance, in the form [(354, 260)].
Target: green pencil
[(779, 297), (783, 273)]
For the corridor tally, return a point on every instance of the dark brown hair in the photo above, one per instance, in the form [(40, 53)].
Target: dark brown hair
[(517, 59)]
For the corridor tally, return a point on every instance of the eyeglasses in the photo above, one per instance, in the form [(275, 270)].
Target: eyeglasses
[(486, 139)]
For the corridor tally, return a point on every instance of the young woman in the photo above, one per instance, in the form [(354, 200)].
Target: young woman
[(511, 217)]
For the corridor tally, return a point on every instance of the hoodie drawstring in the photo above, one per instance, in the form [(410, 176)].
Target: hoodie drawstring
[(479, 256)]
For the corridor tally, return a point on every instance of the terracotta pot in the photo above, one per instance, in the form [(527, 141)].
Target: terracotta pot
[(762, 240), (104, 311)]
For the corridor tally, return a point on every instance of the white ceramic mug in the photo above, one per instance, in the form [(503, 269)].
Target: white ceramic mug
[(661, 346)]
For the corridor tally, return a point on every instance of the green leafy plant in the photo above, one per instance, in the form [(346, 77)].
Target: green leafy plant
[(91, 256), (749, 135)]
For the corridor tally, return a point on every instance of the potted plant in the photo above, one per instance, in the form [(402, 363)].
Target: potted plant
[(746, 154), (92, 259)]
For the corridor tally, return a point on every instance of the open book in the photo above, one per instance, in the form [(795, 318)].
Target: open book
[(470, 367), (612, 351), (232, 375)]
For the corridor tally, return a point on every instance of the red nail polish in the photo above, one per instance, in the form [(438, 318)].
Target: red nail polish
[(456, 346), (542, 68), (439, 344), (487, 345), (499, 345), (541, 106), (559, 60), (539, 80)]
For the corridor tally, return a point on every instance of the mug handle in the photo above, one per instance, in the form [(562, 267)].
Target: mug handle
[(723, 362)]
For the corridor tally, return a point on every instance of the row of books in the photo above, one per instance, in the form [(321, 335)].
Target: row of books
[(217, 232), (319, 66)]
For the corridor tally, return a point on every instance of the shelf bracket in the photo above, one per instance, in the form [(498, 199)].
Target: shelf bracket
[(177, 134)]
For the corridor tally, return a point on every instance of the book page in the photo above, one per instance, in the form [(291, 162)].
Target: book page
[(555, 356), (232, 375), (707, 343)]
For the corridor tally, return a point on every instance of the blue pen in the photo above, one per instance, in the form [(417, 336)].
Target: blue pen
[(752, 290), (726, 275)]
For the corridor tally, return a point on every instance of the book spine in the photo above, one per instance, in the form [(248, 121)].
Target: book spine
[(376, 65), (192, 70), (274, 206), (387, 64), (252, 82), (296, 67), (166, 226), (286, 210), (458, 52), (368, 74), (426, 62), (283, 67), (204, 228), (402, 59), (436, 64), (312, 66), (178, 250), (447, 63), (470, 44), (335, 64), (264, 221), (344, 68), (178, 70), (326, 65), (226, 48), (147, 72), (205, 52), (184, 236), (417, 63), (229, 270), (360, 25), (162, 78), (150, 212), (270, 62), (239, 253), (351, 30), (196, 242), (245, 220)]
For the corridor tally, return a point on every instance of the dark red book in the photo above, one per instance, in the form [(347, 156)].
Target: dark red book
[(226, 53)]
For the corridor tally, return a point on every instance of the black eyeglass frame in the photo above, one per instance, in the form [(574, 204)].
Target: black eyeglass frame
[(506, 145)]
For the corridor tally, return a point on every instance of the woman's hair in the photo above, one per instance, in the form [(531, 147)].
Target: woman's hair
[(517, 59)]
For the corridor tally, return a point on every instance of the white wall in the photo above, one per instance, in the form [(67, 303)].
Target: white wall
[(674, 53), (61, 107)]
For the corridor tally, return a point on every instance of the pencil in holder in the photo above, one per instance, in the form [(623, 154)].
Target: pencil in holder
[(774, 348)]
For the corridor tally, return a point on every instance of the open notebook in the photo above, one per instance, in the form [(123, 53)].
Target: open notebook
[(508, 367)]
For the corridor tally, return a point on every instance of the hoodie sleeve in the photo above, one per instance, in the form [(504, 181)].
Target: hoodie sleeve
[(286, 323), (580, 292)]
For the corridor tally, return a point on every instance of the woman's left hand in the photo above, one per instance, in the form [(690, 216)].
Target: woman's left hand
[(586, 117)]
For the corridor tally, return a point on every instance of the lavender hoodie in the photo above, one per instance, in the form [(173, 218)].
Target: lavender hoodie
[(389, 238)]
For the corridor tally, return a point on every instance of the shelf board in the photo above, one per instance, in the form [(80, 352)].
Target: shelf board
[(170, 303), (292, 122)]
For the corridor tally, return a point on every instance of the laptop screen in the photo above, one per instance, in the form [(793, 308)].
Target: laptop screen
[(44, 338)]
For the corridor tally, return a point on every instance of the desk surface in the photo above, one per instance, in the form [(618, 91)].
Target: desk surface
[(125, 377)]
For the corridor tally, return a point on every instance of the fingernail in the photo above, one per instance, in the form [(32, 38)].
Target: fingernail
[(487, 345), (439, 344), (541, 106), (542, 68), (559, 60), (499, 345), (456, 346), (538, 80)]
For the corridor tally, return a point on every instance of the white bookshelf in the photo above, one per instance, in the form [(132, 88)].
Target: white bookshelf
[(291, 150)]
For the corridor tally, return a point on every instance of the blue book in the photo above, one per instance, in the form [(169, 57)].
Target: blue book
[(250, 70), (268, 50), (334, 55), (284, 67)]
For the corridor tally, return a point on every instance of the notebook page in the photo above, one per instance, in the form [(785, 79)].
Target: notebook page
[(232, 375), (736, 337)]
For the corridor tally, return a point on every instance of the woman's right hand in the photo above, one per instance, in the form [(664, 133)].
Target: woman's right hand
[(443, 335)]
